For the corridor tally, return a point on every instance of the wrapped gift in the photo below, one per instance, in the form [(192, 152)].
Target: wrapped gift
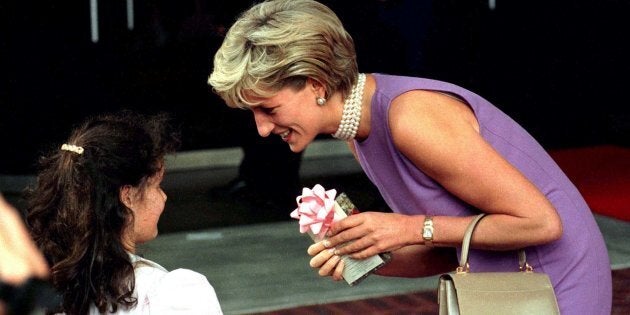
[(317, 210)]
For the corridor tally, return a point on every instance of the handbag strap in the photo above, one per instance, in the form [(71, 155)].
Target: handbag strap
[(463, 261)]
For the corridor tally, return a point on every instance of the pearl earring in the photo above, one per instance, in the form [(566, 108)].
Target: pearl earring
[(320, 101)]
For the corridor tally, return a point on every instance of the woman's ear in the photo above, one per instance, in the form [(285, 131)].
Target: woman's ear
[(125, 195), (316, 87)]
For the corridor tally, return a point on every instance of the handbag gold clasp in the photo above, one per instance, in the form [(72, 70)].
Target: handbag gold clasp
[(463, 269), (527, 268)]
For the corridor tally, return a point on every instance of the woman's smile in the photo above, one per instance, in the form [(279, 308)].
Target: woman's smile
[(285, 135)]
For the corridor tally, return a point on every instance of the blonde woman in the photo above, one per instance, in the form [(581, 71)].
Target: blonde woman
[(438, 153)]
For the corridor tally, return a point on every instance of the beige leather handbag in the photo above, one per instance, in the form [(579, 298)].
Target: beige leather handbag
[(520, 292)]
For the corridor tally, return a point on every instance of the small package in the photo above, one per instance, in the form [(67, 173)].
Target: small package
[(317, 210)]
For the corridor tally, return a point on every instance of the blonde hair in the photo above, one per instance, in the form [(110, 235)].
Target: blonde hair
[(281, 43)]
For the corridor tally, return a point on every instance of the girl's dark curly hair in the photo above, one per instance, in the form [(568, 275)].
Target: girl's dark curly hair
[(75, 214)]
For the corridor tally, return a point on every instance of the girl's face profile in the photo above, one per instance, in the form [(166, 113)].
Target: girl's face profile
[(147, 203)]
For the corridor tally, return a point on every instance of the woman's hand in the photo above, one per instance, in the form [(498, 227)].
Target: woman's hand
[(371, 233), (326, 261)]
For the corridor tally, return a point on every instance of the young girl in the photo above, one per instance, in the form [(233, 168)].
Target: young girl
[(97, 197)]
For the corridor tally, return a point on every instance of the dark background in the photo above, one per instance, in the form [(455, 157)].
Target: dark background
[(560, 68)]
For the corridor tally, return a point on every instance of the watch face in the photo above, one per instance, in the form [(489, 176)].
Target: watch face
[(427, 233)]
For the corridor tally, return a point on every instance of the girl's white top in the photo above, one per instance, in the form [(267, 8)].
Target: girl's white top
[(159, 291)]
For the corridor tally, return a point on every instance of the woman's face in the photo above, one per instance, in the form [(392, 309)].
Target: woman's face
[(147, 203), (292, 115)]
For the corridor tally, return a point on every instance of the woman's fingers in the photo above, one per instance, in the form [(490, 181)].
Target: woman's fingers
[(329, 266), (338, 273), (326, 261), (346, 223), (322, 257), (316, 248), (346, 230)]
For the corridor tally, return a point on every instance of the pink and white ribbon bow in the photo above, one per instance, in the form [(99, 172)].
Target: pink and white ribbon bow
[(316, 210)]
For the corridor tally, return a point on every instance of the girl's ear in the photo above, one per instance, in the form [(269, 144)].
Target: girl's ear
[(125, 195)]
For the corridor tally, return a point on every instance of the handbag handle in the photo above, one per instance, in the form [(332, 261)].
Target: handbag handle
[(463, 261)]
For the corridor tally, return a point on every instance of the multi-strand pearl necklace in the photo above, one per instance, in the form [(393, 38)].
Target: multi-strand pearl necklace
[(351, 112)]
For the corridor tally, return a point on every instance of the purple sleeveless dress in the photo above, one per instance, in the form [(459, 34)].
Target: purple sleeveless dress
[(577, 264)]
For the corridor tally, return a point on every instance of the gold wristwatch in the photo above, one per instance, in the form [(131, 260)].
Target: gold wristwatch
[(427, 230)]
